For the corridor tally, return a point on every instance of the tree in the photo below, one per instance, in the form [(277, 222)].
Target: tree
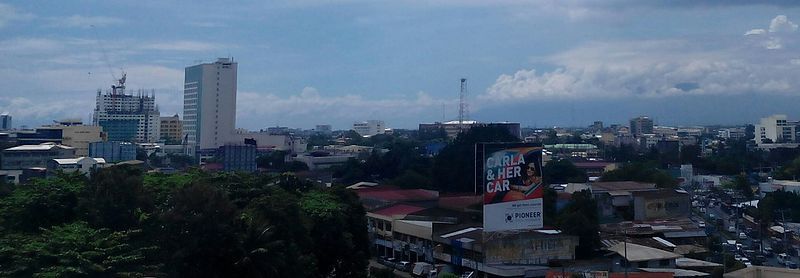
[(454, 167), (561, 171), (198, 233), (333, 233), (641, 172), (579, 218), (115, 197), (42, 203), (75, 250)]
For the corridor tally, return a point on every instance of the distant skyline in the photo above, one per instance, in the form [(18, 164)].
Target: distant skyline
[(301, 63)]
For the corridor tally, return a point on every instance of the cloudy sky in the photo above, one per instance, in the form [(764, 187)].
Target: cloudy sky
[(307, 62)]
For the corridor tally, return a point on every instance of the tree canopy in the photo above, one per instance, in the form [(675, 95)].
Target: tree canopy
[(124, 223)]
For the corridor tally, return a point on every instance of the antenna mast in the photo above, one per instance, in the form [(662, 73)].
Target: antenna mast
[(463, 109)]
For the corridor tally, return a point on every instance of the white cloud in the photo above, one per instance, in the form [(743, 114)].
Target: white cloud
[(649, 69), (182, 45), (8, 13), (755, 32), (311, 104), (781, 24), (79, 21)]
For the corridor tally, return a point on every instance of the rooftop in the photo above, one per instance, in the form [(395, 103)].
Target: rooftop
[(399, 209), (65, 161), (638, 253), (622, 186), (40, 147), (678, 272)]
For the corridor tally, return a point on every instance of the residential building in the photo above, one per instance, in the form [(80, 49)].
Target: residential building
[(84, 165), (732, 133), (209, 103), (31, 156), (641, 125), (172, 129), (240, 158), (774, 129), (369, 128), (5, 121), (113, 151), (127, 117)]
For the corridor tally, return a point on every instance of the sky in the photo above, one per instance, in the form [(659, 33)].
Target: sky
[(542, 63)]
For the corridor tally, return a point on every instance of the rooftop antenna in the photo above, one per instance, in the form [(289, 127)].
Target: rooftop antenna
[(462, 105)]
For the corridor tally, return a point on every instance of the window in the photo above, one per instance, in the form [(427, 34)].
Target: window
[(663, 263)]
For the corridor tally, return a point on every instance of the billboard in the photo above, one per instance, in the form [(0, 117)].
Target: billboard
[(511, 178)]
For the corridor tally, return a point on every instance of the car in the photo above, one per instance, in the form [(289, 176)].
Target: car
[(403, 266), (742, 236), (767, 251), (731, 229), (701, 224), (791, 265)]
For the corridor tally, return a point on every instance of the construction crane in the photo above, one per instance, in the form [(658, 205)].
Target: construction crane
[(463, 108)]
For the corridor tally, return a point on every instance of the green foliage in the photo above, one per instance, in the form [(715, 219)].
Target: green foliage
[(43, 203), (447, 275), (75, 250), (454, 167), (204, 225), (641, 172), (580, 218), (776, 203), (562, 171)]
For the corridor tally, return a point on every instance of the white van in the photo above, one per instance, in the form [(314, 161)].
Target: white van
[(783, 258)]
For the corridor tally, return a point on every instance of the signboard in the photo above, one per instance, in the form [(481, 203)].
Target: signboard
[(511, 178)]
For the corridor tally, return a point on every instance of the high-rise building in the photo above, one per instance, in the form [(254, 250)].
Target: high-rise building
[(775, 129), (127, 117), (641, 125), (5, 121), (209, 103), (171, 129), (369, 128), (323, 129)]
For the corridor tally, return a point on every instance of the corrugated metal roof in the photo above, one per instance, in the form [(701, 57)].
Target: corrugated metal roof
[(399, 209), (638, 253)]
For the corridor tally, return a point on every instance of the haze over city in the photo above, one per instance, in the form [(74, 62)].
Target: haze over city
[(540, 63)]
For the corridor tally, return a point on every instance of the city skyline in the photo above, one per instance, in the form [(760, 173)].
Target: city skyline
[(314, 62)]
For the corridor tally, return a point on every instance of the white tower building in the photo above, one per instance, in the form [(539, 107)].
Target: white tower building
[(209, 103)]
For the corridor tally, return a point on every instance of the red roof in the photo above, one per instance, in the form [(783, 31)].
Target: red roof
[(460, 202), (399, 195), (399, 209)]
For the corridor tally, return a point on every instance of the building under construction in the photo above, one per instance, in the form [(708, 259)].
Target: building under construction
[(127, 118)]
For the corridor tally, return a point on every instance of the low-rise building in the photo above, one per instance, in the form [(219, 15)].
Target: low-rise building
[(631, 257), (30, 156), (84, 165), (113, 151)]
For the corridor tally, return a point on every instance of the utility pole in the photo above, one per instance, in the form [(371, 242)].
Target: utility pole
[(627, 263)]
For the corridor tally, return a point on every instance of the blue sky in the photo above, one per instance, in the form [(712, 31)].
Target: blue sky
[(301, 63)]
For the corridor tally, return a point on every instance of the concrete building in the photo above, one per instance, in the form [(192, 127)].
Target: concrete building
[(732, 133), (31, 156), (113, 151), (240, 158), (77, 135), (84, 165), (641, 125), (661, 204), (209, 103), (774, 129), (5, 121), (127, 117), (172, 129), (369, 128)]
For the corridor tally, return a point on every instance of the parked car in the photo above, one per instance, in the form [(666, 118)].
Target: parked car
[(731, 229), (792, 265), (701, 224), (767, 251), (403, 266), (742, 236)]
